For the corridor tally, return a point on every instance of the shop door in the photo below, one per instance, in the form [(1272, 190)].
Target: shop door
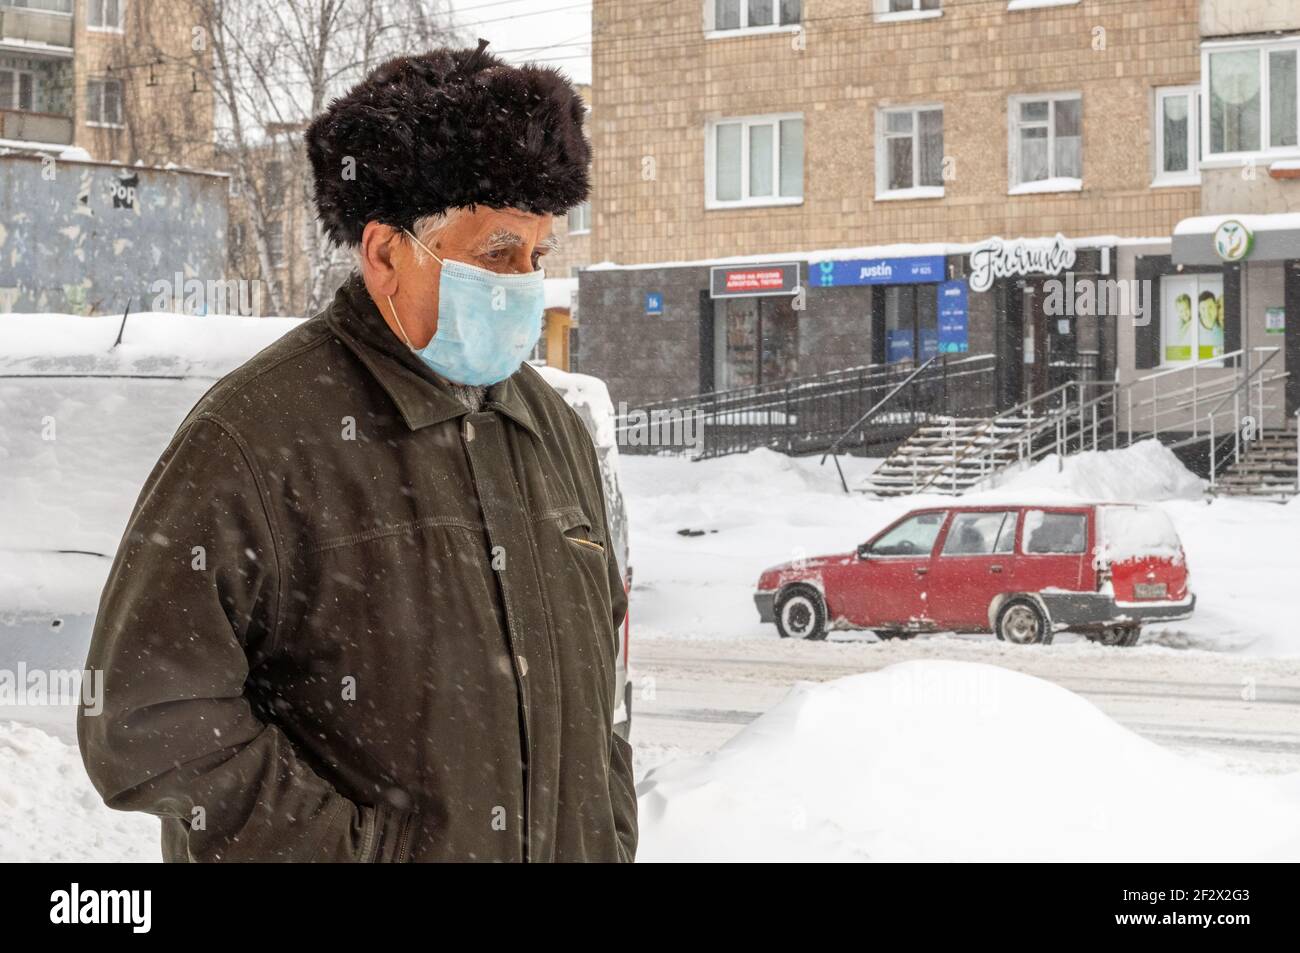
[(756, 342), (1051, 345)]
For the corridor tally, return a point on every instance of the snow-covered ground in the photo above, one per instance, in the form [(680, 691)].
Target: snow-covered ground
[(957, 752)]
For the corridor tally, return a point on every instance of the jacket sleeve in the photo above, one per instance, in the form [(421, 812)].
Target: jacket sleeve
[(622, 786), (189, 607)]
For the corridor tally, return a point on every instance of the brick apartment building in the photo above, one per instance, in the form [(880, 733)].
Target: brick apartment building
[(790, 188)]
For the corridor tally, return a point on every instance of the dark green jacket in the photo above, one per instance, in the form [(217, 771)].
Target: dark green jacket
[(352, 621)]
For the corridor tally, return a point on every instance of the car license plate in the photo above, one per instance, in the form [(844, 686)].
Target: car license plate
[(1150, 590)]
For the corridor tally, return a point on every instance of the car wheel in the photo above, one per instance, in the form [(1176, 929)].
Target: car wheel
[(1022, 622), (1116, 635), (800, 614)]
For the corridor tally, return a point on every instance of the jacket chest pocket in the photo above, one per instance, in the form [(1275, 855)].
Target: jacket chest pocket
[(578, 593)]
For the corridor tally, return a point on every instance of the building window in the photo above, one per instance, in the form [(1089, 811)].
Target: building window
[(755, 161), (1192, 318), (909, 153), (275, 243), (50, 6), (1177, 136), (1252, 99), (733, 15), (756, 341), (17, 89), (274, 183), (104, 102), (580, 218), (907, 9), (105, 14), (1046, 143)]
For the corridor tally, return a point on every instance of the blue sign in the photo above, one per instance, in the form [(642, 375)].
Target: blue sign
[(898, 345), (929, 269), (654, 302), (953, 323)]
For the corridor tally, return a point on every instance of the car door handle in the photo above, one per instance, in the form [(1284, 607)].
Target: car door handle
[(995, 569), (920, 570)]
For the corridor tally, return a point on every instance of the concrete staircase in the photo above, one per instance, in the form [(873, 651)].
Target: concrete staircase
[(1267, 468), (948, 456)]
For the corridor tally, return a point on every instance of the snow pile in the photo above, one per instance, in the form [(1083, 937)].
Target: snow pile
[(1148, 470), (953, 761), (152, 343), (53, 814)]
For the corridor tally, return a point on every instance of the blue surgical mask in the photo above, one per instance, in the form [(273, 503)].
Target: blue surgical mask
[(487, 322)]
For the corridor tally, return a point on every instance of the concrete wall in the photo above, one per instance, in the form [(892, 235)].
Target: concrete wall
[(85, 237)]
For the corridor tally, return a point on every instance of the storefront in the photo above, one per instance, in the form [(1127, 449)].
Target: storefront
[(1050, 307), (1232, 282), (754, 324)]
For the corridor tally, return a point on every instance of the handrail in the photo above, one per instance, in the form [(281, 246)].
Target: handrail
[(1245, 381), (1191, 365), (872, 412)]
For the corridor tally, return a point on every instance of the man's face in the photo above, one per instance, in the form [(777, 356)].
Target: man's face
[(506, 241)]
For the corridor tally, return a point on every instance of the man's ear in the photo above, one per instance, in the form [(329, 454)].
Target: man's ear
[(379, 244)]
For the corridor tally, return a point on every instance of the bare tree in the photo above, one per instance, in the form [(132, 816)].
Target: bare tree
[(271, 65)]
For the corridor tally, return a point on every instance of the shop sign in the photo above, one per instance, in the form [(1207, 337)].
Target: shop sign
[(998, 259), (953, 324), (927, 269), (1233, 241), (738, 281)]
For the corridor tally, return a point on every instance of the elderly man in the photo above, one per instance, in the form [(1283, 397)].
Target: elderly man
[(365, 609)]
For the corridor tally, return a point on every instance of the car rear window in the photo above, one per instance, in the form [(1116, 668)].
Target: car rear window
[(981, 534), (1047, 532), (1130, 532)]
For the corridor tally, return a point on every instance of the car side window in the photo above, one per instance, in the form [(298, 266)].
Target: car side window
[(914, 536), (980, 534), (1055, 532)]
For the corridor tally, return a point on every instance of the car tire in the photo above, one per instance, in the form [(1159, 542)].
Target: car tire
[(1023, 622), (1116, 635), (800, 614)]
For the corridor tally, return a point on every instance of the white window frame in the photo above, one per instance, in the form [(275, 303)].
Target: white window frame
[(885, 15), (1223, 159), (1068, 183), (711, 169), (1014, 5), (16, 73), (585, 229), (97, 122), (103, 27), (713, 32), (1161, 178), (883, 192)]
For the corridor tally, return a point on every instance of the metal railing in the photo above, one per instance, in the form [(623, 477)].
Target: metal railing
[(812, 414)]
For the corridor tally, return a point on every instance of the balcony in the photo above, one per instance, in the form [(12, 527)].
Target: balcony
[(35, 127), (35, 30)]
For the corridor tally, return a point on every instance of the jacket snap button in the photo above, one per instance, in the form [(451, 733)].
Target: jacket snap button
[(469, 430), (523, 666)]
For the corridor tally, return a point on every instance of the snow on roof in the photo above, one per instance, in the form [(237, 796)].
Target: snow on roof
[(896, 250), (1209, 224), (560, 292)]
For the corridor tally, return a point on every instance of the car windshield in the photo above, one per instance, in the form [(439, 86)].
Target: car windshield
[(914, 536)]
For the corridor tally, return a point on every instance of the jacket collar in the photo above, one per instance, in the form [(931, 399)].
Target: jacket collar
[(422, 397)]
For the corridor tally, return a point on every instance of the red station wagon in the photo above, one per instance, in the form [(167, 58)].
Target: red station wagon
[(1021, 572)]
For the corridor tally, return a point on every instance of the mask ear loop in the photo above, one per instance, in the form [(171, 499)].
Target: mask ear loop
[(399, 322), (392, 307)]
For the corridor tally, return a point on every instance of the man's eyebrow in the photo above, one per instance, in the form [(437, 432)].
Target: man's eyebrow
[(501, 239)]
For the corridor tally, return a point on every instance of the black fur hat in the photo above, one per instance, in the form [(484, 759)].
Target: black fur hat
[(444, 129)]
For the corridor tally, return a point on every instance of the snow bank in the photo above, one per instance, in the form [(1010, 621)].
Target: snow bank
[(53, 814), (1148, 470), (152, 343), (953, 761)]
